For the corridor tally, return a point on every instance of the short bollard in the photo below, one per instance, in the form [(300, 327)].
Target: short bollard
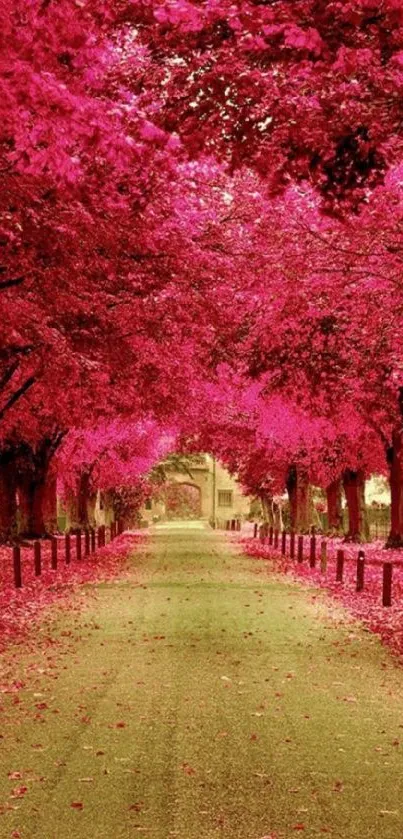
[(387, 584), (360, 571), (93, 540), (121, 526), (37, 559), (255, 530), (276, 535), (99, 539), (292, 545), (300, 556), (78, 545), (271, 535), (53, 553), (17, 566), (227, 524), (87, 543), (312, 551), (238, 525), (323, 556), (67, 549), (261, 533), (284, 542), (339, 566)]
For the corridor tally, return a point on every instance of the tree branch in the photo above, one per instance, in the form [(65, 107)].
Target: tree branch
[(17, 395)]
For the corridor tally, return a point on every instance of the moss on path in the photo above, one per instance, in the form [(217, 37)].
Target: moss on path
[(203, 698)]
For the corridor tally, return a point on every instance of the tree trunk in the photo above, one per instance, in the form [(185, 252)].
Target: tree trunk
[(300, 499), (395, 461), (37, 497), (354, 489), (267, 508), (334, 508), (8, 498), (36, 485)]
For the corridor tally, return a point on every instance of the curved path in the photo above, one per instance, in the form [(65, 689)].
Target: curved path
[(203, 698)]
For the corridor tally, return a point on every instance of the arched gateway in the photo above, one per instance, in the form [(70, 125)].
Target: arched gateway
[(207, 487)]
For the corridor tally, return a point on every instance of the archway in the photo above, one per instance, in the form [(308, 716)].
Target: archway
[(182, 500)]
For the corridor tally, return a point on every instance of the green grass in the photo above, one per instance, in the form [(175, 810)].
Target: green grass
[(204, 698)]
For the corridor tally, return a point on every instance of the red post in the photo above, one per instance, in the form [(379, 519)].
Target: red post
[(78, 545), (339, 566), (312, 551), (360, 571), (238, 525), (37, 559), (276, 535), (255, 529), (53, 555), (300, 556), (284, 542), (67, 548), (292, 545), (120, 526), (271, 534), (87, 543), (387, 584), (92, 539), (17, 566)]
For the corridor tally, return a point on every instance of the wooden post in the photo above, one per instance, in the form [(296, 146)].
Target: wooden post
[(78, 545), (312, 551), (87, 543), (276, 535), (53, 553), (323, 556), (292, 545), (300, 556), (339, 566), (360, 571), (93, 540), (271, 534), (284, 542), (37, 559), (121, 526), (227, 525), (17, 566), (387, 584), (67, 548), (255, 529), (99, 539)]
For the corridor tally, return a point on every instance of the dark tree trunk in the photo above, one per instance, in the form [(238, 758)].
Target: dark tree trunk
[(300, 499), (334, 508), (37, 497), (80, 507), (354, 489), (36, 483), (8, 498), (395, 461)]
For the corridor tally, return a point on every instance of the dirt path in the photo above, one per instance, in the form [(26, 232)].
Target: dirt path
[(203, 698)]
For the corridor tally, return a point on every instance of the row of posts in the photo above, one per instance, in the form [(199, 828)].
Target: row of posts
[(86, 543), (233, 524), (296, 551)]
